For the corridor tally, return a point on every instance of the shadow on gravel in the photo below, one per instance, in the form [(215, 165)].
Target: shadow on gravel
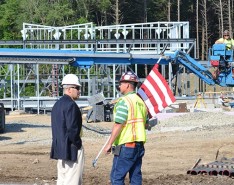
[(4, 138), (18, 127)]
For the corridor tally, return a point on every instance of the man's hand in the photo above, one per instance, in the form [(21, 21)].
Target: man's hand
[(107, 149), (152, 122), (115, 132)]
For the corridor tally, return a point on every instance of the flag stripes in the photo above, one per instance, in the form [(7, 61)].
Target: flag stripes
[(155, 92)]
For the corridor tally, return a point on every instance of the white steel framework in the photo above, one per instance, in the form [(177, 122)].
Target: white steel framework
[(142, 38)]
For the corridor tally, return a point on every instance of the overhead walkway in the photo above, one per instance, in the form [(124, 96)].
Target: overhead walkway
[(75, 58)]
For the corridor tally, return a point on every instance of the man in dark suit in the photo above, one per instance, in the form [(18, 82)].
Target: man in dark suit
[(66, 122)]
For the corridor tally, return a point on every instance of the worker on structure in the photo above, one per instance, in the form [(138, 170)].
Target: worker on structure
[(128, 133), (222, 101), (226, 40), (66, 122)]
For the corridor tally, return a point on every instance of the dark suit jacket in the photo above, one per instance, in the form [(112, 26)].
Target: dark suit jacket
[(66, 122)]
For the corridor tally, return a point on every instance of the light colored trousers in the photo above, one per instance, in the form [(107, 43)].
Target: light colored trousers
[(70, 172)]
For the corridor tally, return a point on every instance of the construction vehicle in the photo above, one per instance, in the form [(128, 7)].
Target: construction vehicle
[(220, 59)]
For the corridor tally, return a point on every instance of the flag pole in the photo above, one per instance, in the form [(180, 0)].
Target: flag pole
[(155, 91), (162, 53)]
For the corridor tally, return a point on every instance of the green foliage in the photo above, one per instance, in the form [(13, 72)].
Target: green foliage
[(100, 12), (82, 20), (103, 5), (9, 29), (157, 10), (52, 13), (29, 90)]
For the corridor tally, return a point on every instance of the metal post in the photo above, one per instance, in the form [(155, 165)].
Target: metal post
[(114, 82), (170, 74), (38, 98), (89, 85), (18, 88), (11, 69)]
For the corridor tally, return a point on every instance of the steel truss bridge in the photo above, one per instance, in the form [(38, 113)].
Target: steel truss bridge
[(99, 55)]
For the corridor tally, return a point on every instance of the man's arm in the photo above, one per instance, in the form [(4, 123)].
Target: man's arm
[(120, 119), (114, 134)]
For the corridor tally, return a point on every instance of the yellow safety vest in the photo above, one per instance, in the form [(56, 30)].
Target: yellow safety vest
[(134, 128), (229, 43)]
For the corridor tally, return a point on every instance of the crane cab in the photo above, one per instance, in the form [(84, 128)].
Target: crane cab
[(221, 59)]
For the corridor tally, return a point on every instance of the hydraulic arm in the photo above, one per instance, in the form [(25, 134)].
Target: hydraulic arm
[(194, 66), (220, 59)]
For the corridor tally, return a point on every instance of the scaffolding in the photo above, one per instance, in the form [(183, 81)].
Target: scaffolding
[(41, 34), (155, 35), (46, 74)]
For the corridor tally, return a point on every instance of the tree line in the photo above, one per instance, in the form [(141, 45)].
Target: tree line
[(208, 18)]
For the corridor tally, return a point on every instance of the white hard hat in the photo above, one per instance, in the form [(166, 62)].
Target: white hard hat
[(70, 79)]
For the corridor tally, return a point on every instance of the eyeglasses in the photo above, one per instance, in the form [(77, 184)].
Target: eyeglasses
[(77, 88), (226, 35)]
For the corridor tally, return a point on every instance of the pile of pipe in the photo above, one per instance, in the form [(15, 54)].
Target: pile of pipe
[(223, 167)]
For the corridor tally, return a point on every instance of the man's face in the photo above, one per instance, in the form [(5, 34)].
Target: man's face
[(74, 92), (226, 36), (123, 87)]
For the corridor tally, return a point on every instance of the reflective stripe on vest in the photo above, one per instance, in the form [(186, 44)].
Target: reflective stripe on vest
[(134, 128)]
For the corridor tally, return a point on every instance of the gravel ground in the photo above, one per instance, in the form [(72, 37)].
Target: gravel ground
[(194, 120), (173, 146)]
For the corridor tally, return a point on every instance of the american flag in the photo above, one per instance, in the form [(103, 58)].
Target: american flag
[(156, 92)]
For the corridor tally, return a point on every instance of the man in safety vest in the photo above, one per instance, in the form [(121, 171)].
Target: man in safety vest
[(128, 134), (226, 40)]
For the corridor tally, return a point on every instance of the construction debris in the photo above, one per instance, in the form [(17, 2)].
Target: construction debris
[(223, 167)]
